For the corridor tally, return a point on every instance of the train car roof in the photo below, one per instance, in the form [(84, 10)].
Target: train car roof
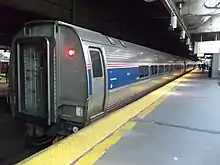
[(96, 37)]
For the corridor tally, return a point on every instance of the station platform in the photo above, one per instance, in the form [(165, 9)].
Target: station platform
[(176, 124), (183, 129)]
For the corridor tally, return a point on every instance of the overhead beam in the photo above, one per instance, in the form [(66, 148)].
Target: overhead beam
[(172, 9)]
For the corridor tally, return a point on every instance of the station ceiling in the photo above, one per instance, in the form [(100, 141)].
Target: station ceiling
[(140, 22)]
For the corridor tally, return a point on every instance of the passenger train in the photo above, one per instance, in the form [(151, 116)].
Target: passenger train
[(63, 77)]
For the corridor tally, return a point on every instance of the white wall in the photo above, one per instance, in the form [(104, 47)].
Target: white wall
[(210, 47)]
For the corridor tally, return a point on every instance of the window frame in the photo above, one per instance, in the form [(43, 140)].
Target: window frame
[(167, 68), (172, 68), (94, 75), (154, 68), (145, 69), (160, 68)]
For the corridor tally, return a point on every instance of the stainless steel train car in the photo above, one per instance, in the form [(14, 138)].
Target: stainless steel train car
[(62, 76)]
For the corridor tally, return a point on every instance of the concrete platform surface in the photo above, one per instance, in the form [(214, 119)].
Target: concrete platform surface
[(184, 129)]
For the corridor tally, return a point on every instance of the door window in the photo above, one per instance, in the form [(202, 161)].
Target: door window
[(96, 63)]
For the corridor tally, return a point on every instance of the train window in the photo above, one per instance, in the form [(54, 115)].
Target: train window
[(111, 40), (166, 68), (177, 67), (153, 69), (161, 69), (147, 71), (171, 68), (96, 63), (143, 71)]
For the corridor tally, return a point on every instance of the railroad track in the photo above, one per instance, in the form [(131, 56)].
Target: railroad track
[(12, 140)]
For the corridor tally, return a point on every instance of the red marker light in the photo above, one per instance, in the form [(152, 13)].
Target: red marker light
[(71, 52)]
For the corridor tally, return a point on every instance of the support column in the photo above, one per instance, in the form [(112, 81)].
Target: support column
[(218, 70), (215, 64)]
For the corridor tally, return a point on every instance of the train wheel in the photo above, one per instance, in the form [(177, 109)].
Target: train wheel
[(34, 139), (38, 141)]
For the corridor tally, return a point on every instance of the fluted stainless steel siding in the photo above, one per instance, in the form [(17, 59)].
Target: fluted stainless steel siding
[(131, 55)]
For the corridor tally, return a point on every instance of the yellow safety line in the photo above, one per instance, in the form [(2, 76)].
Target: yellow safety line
[(99, 150), (76, 145)]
